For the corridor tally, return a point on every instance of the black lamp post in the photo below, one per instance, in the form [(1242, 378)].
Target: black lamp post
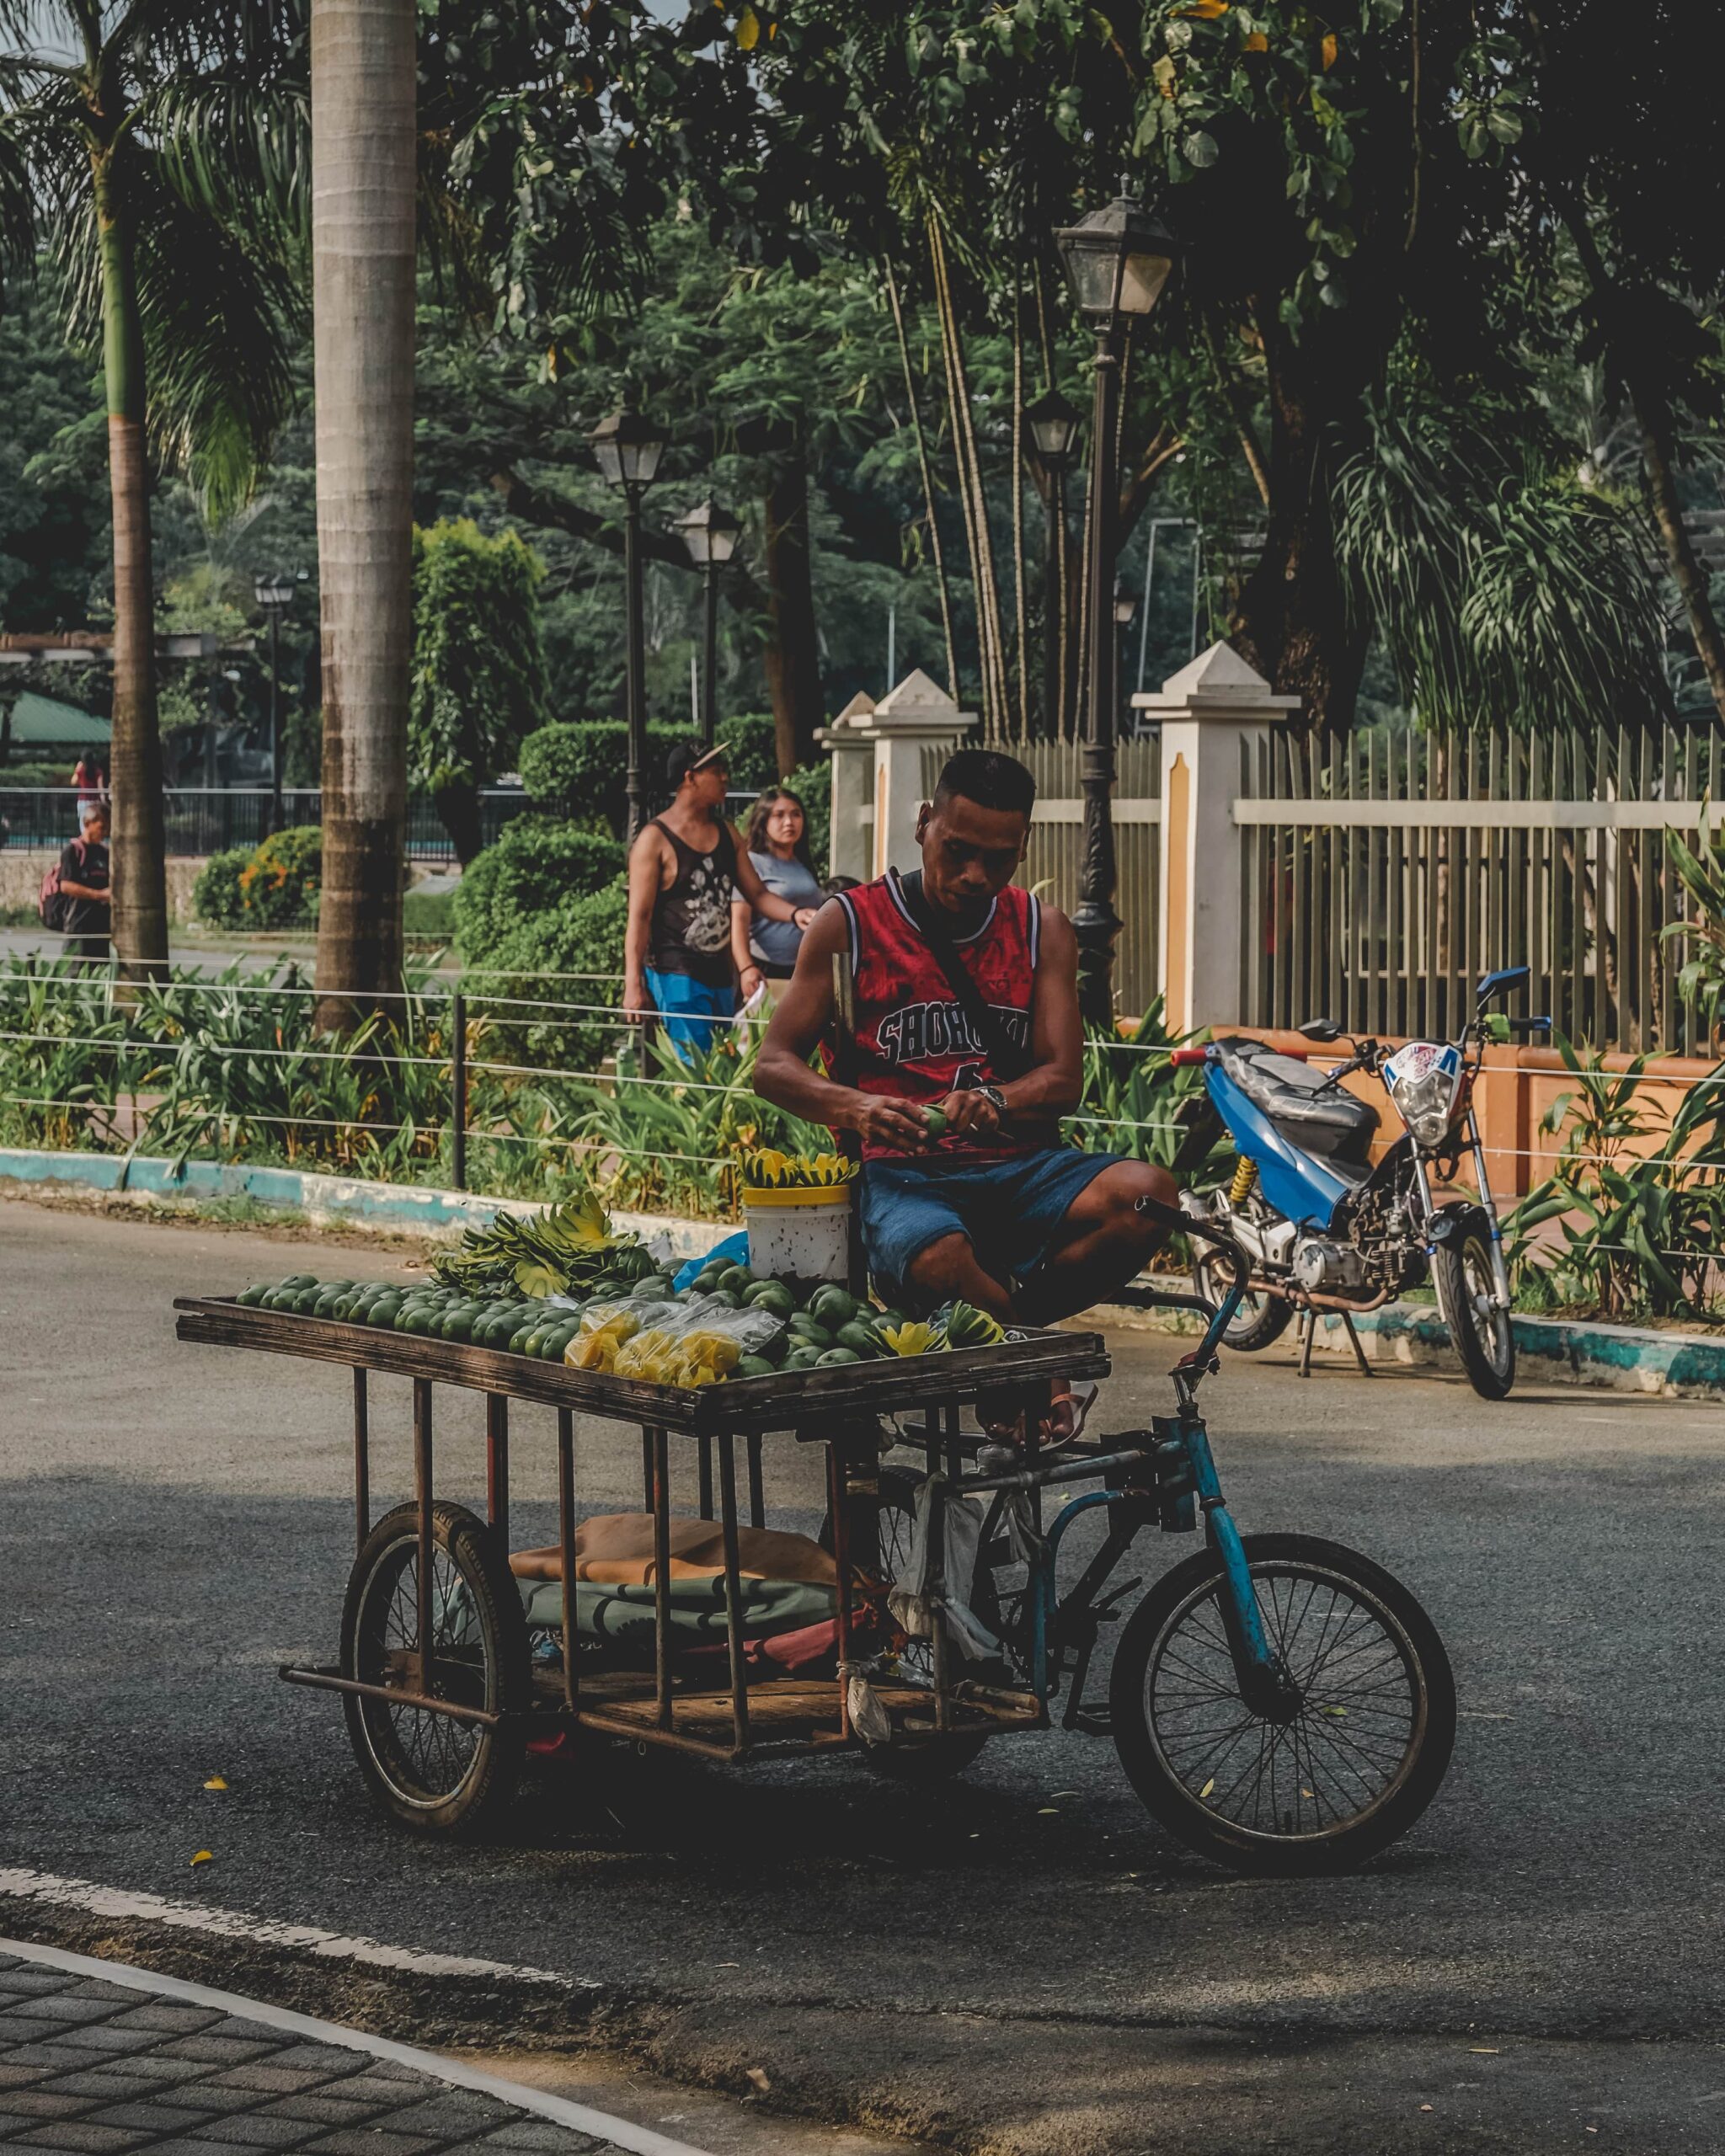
[(626, 448), (273, 593), (1117, 259), (1053, 421), (710, 535)]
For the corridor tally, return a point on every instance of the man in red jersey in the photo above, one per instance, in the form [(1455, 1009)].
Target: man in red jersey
[(966, 1003)]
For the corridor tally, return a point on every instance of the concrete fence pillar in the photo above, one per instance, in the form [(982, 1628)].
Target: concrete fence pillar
[(1212, 713), (875, 802)]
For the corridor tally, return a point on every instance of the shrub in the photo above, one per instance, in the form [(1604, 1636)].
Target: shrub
[(580, 934), (272, 886), (575, 768), (217, 897), (535, 862)]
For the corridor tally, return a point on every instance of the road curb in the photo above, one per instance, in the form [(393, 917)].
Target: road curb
[(325, 1200), (579, 2118)]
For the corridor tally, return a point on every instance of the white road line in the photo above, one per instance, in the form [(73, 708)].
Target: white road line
[(117, 1902), (582, 2118)]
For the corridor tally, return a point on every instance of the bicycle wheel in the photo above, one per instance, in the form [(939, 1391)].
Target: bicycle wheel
[(1481, 1333), (1344, 1775), (434, 1773), (917, 1758)]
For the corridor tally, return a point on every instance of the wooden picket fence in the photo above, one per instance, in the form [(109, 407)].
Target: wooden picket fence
[(1386, 873)]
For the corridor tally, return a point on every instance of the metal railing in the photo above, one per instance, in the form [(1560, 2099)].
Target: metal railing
[(200, 820)]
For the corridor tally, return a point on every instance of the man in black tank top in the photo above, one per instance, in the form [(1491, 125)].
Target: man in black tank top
[(683, 869)]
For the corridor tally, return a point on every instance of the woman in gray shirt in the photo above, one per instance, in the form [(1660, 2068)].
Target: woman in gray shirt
[(777, 843)]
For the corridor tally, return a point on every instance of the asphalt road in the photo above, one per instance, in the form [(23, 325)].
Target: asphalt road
[(1017, 1960)]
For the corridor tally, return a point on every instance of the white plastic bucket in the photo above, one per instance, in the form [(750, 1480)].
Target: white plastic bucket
[(799, 1234)]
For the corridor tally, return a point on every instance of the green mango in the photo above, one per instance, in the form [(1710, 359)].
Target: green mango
[(835, 1356), (833, 1307), (252, 1296), (886, 1320), (770, 1295), (809, 1332), (860, 1338), (754, 1366), (802, 1357), (458, 1326), (738, 1279)]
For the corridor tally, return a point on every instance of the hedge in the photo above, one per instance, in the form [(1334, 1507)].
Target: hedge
[(580, 934), (535, 863), (578, 768), (274, 885)]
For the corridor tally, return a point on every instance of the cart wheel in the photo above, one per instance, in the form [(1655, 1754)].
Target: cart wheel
[(431, 1771), (1353, 1767), (916, 1758)]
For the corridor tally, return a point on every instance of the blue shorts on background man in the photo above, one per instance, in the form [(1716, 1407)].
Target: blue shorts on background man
[(692, 1013), (1011, 1209)]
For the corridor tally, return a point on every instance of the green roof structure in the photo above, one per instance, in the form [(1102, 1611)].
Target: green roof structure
[(43, 721)]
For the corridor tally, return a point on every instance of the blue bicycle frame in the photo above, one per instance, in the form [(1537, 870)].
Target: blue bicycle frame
[(1185, 1483)]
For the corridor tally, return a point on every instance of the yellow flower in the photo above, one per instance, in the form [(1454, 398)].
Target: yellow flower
[(914, 1340)]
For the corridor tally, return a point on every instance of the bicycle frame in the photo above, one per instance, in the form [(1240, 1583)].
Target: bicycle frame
[(1183, 1482)]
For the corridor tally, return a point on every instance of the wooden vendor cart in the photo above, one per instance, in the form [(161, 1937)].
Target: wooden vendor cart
[(445, 1684)]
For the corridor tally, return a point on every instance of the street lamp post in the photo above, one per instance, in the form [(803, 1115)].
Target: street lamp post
[(626, 448), (1053, 421), (273, 593), (710, 535), (1117, 261)]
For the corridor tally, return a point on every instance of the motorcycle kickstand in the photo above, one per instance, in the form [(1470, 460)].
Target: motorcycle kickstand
[(1365, 1368), (1308, 1335)]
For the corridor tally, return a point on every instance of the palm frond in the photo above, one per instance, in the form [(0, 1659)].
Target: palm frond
[(236, 148), (1505, 594)]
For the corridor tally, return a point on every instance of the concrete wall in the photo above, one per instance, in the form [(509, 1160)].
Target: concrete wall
[(21, 874)]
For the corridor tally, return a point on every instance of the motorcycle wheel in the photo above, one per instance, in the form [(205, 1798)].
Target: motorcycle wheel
[(1483, 1337), (1260, 1320)]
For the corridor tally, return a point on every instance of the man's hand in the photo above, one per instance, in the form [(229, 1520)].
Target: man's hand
[(894, 1123), (637, 1004), (970, 1112)]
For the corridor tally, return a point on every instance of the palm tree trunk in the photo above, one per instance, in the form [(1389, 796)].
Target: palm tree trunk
[(792, 655), (1653, 414), (363, 91), (140, 876)]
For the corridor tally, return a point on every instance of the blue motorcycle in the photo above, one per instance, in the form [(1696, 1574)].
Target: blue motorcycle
[(1327, 1229)]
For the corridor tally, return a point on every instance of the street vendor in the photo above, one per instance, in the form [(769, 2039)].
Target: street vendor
[(968, 1052)]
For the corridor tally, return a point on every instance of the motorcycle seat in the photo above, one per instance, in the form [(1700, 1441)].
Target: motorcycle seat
[(1308, 1111)]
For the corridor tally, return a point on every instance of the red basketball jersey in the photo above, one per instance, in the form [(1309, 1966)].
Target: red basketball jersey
[(914, 1041)]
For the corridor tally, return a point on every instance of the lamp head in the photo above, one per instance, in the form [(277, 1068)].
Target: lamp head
[(1117, 261), (1053, 421), (626, 447), (710, 533)]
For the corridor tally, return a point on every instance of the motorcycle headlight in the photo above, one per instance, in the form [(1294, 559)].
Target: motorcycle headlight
[(1427, 1105)]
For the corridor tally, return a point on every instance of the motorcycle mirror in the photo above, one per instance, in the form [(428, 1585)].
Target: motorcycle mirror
[(1319, 1029), (1501, 984)]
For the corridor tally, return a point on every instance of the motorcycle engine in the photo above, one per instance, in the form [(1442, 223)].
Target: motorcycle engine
[(1327, 1268)]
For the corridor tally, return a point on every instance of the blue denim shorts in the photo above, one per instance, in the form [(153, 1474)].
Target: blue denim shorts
[(1010, 1210)]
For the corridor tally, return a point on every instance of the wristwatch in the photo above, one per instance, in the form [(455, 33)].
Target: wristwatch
[(992, 1094)]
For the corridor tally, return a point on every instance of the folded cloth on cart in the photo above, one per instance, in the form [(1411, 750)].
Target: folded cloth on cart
[(623, 1616), (618, 1548)]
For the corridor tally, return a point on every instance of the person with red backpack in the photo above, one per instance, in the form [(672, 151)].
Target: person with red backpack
[(79, 905)]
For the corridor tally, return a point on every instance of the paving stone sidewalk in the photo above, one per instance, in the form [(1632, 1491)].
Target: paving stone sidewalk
[(100, 2069)]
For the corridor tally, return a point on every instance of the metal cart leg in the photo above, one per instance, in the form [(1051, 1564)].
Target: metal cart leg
[(362, 1459), (705, 1465), (733, 1590), (566, 1538), (497, 1464), (661, 1576), (646, 1468), (937, 1600), (757, 1501), (422, 1491)]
